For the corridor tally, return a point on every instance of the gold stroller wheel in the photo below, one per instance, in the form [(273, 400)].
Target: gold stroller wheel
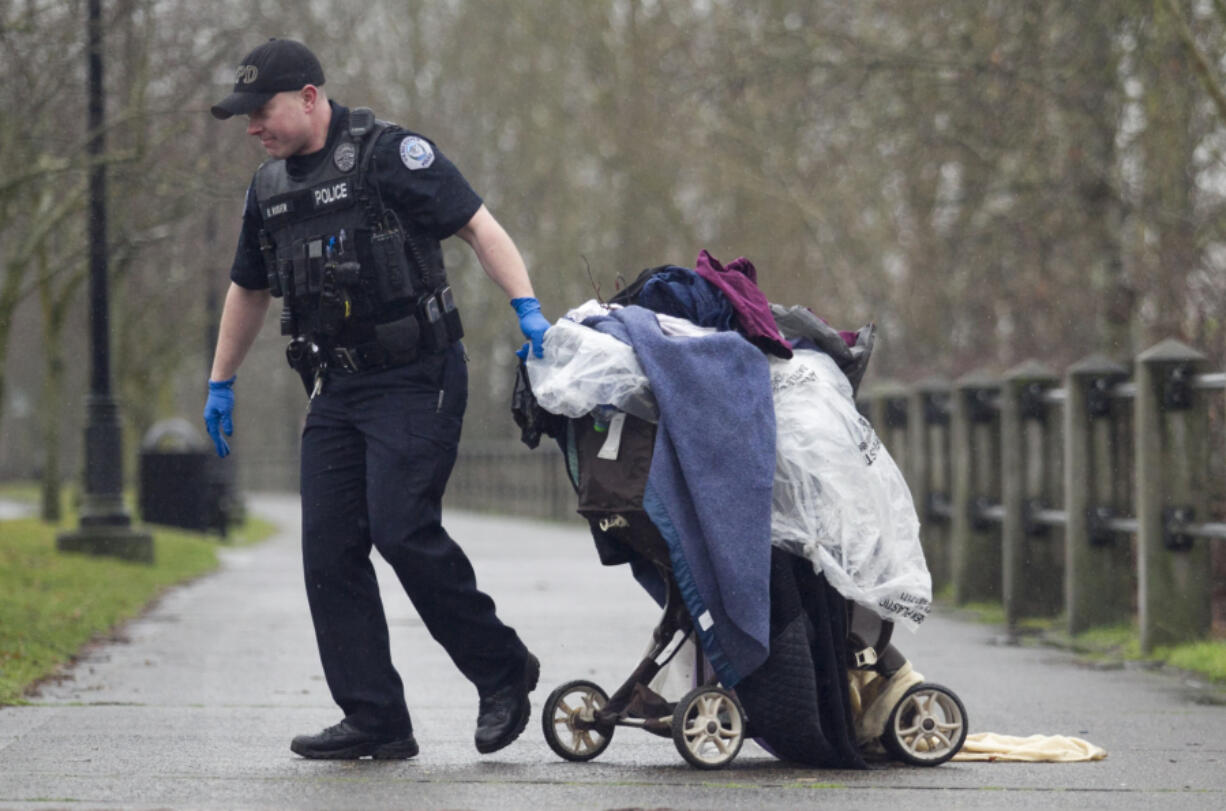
[(568, 721), (927, 727), (708, 727)]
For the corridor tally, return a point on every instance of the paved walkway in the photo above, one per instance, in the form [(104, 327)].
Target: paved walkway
[(193, 706)]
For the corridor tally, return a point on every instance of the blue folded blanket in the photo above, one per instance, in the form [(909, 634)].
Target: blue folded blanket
[(709, 489)]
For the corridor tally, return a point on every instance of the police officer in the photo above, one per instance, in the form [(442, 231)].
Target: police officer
[(343, 223)]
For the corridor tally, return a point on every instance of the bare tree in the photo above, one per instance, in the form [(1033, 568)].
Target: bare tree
[(987, 181)]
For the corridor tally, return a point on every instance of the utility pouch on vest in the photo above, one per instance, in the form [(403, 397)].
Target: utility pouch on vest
[(451, 315), (281, 282), (283, 272), (433, 324), (399, 338), (298, 271), (393, 279), (315, 264), (335, 306), (307, 266), (269, 253), (289, 324)]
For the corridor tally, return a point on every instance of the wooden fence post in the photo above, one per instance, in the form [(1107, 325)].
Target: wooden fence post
[(975, 441), (928, 472), (1097, 561), (1174, 569), (1032, 569), (889, 419)]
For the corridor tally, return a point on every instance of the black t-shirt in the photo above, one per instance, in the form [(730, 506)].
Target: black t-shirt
[(413, 176)]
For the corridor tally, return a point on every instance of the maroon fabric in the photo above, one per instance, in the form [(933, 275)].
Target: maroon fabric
[(739, 283)]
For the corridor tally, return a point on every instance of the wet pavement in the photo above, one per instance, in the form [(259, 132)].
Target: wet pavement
[(194, 705)]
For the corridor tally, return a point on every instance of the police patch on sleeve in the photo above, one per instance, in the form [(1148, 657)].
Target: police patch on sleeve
[(416, 152)]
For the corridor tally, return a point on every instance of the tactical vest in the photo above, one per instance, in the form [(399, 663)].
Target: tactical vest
[(360, 290)]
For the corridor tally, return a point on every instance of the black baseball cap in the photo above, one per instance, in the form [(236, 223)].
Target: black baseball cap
[(276, 66)]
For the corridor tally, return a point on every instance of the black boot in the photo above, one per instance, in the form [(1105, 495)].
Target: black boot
[(504, 713), (346, 742)]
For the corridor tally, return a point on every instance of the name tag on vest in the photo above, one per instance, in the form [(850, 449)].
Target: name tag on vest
[(279, 207)]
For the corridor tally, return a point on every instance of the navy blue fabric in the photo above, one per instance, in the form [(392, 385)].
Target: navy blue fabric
[(799, 701), (682, 292), (377, 450), (712, 470)]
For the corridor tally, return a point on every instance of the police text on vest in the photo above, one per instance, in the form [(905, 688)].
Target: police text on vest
[(328, 195)]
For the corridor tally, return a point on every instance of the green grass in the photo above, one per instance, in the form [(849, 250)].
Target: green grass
[(51, 603), (985, 612), (1117, 643), (252, 530), (1110, 642), (23, 491), (1206, 658), (1123, 642)]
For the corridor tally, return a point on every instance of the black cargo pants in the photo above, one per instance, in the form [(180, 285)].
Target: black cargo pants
[(377, 449)]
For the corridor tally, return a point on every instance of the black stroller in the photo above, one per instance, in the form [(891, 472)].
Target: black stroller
[(832, 690), (857, 698)]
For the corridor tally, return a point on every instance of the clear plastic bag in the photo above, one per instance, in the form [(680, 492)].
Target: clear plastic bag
[(582, 369), (839, 499)]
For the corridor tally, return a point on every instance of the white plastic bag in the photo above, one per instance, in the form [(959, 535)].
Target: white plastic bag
[(583, 368), (839, 499)]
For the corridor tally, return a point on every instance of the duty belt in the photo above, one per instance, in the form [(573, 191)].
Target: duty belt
[(313, 363), (367, 357)]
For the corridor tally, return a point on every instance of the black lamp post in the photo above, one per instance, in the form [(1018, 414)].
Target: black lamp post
[(105, 527)]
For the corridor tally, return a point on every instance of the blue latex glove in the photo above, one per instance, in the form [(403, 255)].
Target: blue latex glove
[(531, 323), (218, 411)]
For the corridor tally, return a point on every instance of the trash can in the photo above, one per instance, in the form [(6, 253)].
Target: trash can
[(182, 482)]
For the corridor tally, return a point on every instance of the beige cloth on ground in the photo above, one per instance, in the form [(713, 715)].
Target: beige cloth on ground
[(990, 746)]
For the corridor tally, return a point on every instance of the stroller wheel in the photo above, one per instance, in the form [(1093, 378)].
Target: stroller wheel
[(568, 721), (708, 727), (927, 727)]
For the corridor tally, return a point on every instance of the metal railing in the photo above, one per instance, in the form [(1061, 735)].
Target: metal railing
[(511, 479)]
